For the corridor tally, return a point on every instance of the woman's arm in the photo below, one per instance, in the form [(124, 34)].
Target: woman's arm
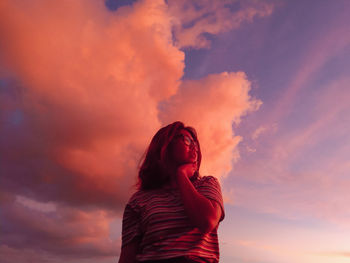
[(129, 251), (203, 212)]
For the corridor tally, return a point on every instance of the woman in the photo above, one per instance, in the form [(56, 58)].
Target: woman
[(175, 214)]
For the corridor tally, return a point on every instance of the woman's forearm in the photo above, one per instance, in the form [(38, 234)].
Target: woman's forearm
[(199, 209)]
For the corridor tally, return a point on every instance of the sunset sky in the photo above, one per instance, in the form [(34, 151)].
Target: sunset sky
[(85, 84)]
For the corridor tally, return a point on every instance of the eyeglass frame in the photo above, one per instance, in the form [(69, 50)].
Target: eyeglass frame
[(188, 140)]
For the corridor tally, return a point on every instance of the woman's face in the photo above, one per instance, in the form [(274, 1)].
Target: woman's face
[(184, 149)]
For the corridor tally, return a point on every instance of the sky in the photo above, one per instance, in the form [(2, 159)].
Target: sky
[(85, 84)]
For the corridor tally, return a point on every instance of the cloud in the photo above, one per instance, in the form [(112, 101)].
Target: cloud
[(301, 172), (263, 129), (65, 232), (80, 91), (80, 95), (78, 103), (195, 20), (212, 104), (10, 254)]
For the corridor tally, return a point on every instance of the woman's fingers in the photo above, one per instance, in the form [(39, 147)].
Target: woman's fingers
[(188, 169)]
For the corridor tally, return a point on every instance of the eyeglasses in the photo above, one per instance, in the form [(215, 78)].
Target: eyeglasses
[(188, 141)]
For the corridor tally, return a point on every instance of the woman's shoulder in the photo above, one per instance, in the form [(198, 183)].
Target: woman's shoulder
[(139, 196)]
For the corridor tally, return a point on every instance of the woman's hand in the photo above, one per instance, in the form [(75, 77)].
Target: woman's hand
[(187, 169)]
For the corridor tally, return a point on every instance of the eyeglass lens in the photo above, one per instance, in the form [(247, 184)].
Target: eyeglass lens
[(188, 141)]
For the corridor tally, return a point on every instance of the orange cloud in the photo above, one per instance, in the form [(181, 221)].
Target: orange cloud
[(92, 82), (212, 105)]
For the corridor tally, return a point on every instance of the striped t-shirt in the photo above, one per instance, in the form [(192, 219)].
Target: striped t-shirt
[(158, 219)]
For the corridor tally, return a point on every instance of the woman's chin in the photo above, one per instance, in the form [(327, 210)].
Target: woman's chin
[(193, 156), (193, 160)]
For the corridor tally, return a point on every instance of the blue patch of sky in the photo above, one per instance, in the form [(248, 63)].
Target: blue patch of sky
[(335, 68), (115, 4), (233, 6)]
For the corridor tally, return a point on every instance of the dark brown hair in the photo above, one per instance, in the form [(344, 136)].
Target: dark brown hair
[(154, 172)]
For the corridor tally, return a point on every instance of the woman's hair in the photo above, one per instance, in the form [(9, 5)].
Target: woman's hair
[(154, 170)]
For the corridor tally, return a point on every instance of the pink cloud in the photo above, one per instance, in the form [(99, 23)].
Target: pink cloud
[(192, 20), (264, 129)]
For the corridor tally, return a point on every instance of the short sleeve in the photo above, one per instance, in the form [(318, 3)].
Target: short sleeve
[(131, 224), (210, 188)]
